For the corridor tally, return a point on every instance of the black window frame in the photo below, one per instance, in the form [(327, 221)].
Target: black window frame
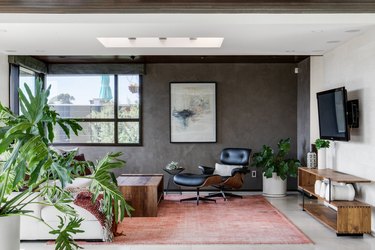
[(14, 103)]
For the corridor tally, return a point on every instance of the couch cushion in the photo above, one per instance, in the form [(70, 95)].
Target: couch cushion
[(225, 170), (50, 213)]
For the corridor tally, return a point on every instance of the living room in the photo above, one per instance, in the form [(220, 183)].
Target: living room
[(262, 96)]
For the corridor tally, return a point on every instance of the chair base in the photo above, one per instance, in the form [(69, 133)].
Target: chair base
[(224, 195), (197, 198)]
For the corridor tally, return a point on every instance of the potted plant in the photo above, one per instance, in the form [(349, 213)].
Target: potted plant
[(276, 168), (321, 145), (134, 88), (29, 166), (173, 168)]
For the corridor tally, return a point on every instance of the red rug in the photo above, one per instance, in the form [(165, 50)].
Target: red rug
[(251, 220)]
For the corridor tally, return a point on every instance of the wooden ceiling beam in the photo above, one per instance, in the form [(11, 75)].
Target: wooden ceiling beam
[(187, 6)]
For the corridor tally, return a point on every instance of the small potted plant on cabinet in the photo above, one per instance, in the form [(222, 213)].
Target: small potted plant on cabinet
[(276, 168)]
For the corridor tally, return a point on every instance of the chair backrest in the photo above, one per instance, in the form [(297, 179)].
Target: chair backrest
[(235, 156)]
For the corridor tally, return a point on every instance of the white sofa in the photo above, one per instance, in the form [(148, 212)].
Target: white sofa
[(33, 229)]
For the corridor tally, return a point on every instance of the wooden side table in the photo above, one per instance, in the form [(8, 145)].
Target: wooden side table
[(142, 192)]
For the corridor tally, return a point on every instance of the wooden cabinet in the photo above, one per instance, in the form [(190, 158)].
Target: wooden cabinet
[(344, 217), (142, 192)]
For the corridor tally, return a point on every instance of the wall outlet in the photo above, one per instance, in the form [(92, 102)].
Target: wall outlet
[(254, 174)]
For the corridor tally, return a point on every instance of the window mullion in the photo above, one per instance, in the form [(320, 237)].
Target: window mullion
[(116, 109)]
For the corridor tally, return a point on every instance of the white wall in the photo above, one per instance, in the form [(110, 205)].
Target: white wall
[(4, 80), (351, 65)]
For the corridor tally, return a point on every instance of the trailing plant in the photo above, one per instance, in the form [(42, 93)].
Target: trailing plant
[(320, 143), (30, 169), (271, 162)]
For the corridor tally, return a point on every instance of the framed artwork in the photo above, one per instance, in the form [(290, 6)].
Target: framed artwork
[(192, 112)]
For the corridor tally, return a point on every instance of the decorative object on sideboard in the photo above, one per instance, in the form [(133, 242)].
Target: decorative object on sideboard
[(276, 168), (321, 146), (311, 160), (340, 192)]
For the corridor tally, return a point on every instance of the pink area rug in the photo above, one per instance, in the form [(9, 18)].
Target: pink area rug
[(251, 220)]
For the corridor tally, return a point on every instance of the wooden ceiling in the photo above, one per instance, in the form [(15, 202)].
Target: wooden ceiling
[(170, 59), (187, 6)]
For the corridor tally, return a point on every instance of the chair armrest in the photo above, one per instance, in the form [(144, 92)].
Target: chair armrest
[(206, 170), (243, 170)]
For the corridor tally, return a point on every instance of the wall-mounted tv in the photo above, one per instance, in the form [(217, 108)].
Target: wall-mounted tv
[(332, 111)]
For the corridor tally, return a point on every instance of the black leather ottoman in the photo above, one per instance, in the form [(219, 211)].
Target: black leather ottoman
[(197, 181)]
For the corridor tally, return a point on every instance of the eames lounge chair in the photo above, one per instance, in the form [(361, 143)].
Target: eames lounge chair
[(233, 167)]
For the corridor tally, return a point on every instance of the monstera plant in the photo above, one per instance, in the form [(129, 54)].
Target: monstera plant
[(30, 169)]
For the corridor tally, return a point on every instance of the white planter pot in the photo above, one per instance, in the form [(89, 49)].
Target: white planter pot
[(322, 158), (10, 232), (274, 187)]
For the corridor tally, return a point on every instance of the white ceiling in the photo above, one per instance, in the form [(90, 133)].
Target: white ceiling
[(244, 34)]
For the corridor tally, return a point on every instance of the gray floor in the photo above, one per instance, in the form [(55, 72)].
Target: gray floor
[(323, 238)]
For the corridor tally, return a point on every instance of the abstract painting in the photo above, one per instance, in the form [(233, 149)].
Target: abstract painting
[(193, 112)]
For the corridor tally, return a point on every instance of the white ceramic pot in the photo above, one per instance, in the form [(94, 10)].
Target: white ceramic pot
[(10, 232), (322, 158), (274, 187)]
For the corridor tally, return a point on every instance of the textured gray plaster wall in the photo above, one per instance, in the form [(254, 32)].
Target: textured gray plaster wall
[(256, 105), (303, 110)]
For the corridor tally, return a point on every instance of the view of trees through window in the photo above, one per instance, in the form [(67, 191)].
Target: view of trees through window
[(107, 107)]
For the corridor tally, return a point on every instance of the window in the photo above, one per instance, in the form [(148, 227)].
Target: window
[(27, 77), (24, 77), (108, 107)]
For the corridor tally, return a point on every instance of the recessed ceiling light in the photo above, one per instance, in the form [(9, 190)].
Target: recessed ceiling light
[(40, 51), (161, 42), (317, 50), (317, 31), (10, 51), (333, 41), (289, 51), (353, 30)]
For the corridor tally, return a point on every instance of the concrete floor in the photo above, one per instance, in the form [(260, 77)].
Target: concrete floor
[(323, 238)]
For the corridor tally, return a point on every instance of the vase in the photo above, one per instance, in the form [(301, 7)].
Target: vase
[(274, 187), (10, 232), (322, 158), (311, 160)]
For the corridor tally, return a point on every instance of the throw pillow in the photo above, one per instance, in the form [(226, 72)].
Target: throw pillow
[(78, 185), (225, 170)]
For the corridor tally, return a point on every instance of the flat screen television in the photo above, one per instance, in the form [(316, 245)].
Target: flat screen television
[(332, 112)]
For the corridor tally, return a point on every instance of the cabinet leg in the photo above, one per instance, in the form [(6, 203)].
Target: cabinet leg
[(303, 200)]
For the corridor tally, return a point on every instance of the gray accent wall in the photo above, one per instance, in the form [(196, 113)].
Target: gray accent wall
[(303, 111), (256, 105)]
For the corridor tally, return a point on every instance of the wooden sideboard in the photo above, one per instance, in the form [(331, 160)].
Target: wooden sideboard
[(142, 192), (344, 217)]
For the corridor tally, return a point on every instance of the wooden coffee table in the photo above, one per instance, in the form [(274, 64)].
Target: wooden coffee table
[(142, 192)]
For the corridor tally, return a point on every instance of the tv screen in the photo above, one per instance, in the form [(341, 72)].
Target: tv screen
[(333, 124)]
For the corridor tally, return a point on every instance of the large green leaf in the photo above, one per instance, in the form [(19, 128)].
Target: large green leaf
[(103, 184), (64, 240)]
